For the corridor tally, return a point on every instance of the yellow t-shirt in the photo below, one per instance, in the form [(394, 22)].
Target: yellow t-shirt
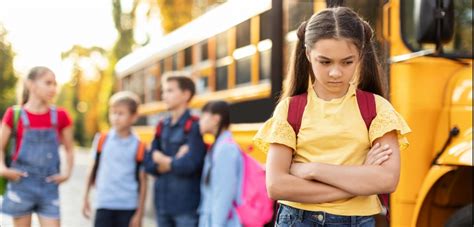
[(333, 132)]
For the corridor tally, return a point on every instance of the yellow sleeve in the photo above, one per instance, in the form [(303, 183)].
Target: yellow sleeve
[(276, 129), (387, 120)]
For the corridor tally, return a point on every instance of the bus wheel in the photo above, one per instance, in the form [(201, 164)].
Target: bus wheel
[(462, 217)]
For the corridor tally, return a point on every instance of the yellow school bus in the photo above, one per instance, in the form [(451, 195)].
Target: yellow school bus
[(239, 52)]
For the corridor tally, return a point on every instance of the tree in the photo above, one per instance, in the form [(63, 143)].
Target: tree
[(8, 78)]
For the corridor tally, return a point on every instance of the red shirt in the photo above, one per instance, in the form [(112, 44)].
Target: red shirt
[(37, 121)]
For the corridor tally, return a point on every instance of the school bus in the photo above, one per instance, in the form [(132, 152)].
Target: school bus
[(239, 52)]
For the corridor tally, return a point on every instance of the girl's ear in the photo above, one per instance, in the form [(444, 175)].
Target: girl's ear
[(216, 119)]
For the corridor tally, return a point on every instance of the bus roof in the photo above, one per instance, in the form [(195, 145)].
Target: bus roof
[(215, 21)]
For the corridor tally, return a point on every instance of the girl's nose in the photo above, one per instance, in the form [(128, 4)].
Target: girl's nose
[(335, 72)]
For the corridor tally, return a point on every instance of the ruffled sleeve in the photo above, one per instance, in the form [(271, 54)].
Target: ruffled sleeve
[(276, 130), (387, 120)]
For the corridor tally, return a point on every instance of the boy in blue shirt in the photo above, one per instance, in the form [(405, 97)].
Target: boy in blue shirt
[(177, 156), (119, 180)]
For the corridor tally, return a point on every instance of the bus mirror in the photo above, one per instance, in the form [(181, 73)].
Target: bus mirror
[(434, 21)]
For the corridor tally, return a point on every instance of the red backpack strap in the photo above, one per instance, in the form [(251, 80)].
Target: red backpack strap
[(367, 108), (189, 123), (159, 128), (295, 111)]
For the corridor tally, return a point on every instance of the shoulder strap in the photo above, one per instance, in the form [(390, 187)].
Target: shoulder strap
[(140, 151), (100, 143), (16, 117), (100, 146), (295, 111), (366, 102), (159, 128), (189, 123), (54, 116)]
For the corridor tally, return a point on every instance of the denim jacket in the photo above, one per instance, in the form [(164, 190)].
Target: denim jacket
[(177, 191)]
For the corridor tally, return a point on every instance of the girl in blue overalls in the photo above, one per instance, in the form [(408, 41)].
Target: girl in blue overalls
[(34, 169)]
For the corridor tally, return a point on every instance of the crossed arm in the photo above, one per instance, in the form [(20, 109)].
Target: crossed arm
[(319, 183)]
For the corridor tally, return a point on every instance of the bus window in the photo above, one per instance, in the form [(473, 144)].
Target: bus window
[(460, 45), (243, 34), (137, 84), (221, 78), (265, 26), (151, 88), (175, 61), (222, 47), (202, 84), (244, 67), (188, 57), (204, 51), (299, 11), (265, 49)]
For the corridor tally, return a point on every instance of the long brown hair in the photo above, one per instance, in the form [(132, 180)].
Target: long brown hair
[(335, 23), (34, 74)]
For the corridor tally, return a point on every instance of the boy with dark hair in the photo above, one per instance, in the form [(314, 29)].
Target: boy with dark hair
[(177, 157), (119, 180)]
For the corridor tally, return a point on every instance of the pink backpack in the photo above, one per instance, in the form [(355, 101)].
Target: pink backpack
[(255, 208)]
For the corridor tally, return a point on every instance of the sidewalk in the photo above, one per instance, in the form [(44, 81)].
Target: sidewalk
[(72, 193)]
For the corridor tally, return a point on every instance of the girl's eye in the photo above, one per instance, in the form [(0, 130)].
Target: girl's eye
[(348, 62), (324, 62)]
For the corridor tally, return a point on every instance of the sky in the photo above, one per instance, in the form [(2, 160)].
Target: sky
[(39, 30)]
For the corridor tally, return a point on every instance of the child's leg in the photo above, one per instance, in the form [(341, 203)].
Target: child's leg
[(123, 217), (47, 222), (23, 221), (104, 218)]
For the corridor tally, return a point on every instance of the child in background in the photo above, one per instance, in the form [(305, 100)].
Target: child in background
[(34, 174), (119, 180)]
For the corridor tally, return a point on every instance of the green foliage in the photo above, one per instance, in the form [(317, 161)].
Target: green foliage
[(8, 78)]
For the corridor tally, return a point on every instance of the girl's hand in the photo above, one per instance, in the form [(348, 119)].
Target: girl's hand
[(58, 178), (184, 149), (12, 174), (302, 170), (86, 209), (136, 220), (378, 154)]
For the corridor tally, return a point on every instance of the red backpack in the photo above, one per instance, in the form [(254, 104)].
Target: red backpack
[(366, 102)]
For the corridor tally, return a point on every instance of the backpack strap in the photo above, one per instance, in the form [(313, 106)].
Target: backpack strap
[(100, 146), (159, 129), (189, 123), (296, 110), (139, 160), (54, 116), (367, 108), (11, 153)]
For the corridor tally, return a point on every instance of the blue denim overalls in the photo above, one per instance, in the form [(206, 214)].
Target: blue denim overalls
[(39, 157)]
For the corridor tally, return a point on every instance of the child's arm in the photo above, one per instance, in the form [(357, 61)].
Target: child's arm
[(281, 185), (68, 141), (86, 208), (365, 179), (149, 164), (138, 216), (10, 174)]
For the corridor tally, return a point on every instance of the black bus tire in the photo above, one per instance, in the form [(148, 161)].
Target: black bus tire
[(461, 218)]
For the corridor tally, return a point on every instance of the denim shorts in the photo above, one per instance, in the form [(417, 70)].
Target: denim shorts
[(291, 217), (31, 194)]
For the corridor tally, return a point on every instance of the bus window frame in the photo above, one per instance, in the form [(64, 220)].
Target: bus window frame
[(404, 38)]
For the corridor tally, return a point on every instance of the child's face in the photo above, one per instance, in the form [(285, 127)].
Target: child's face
[(208, 122), (120, 117), (44, 87), (334, 62), (173, 96)]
